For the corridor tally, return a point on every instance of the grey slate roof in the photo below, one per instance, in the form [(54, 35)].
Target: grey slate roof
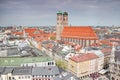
[(51, 70), (8, 70), (12, 51), (38, 52), (22, 71), (58, 78), (66, 77), (1, 70)]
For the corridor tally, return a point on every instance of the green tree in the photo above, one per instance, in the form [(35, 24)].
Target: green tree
[(53, 38), (61, 64)]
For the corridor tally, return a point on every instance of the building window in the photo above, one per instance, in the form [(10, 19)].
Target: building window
[(25, 77), (9, 78), (61, 18), (13, 78), (22, 77), (48, 75), (115, 65), (35, 65), (52, 63), (28, 76), (113, 78), (72, 66), (19, 77), (48, 63), (45, 75)]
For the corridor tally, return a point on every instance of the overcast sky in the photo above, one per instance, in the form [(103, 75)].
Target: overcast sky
[(43, 12)]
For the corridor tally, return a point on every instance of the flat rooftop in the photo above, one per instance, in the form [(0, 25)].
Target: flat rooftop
[(17, 61)]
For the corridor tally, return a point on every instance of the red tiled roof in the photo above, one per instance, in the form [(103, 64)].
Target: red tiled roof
[(106, 42), (37, 35), (114, 39), (18, 33), (84, 57), (41, 31), (30, 30), (38, 39), (106, 51), (85, 32), (34, 32)]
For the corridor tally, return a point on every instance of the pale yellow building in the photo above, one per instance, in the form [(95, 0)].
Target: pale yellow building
[(83, 65)]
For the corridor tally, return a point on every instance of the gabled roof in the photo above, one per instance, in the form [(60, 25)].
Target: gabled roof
[(84, 57), (22, 70), (85, 32), (105, 42), (39, 39), (18, 33), (8, 70), (30, 30), (39, 32), (106, 51)]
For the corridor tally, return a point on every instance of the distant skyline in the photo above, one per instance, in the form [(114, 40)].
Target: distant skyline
[(43, 12)]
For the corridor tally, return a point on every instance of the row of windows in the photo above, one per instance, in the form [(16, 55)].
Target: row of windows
[(20, 77), (41, 79), (35, 64), (24, 77), (43, 76), (50, 63), (61, 23), (85, 42)]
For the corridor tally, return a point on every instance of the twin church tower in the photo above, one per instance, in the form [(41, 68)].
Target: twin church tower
[(62, 20), (82, 35)]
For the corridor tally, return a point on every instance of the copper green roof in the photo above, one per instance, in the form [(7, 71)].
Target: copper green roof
[(18, 61), (59, 12), (65, 13)]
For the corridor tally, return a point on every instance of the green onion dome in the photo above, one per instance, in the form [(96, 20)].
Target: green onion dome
[(65, 13), (59, 12)]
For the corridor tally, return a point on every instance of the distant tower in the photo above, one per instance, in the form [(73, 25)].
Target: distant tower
[(112, 60), (65, 19), (62, 20)]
